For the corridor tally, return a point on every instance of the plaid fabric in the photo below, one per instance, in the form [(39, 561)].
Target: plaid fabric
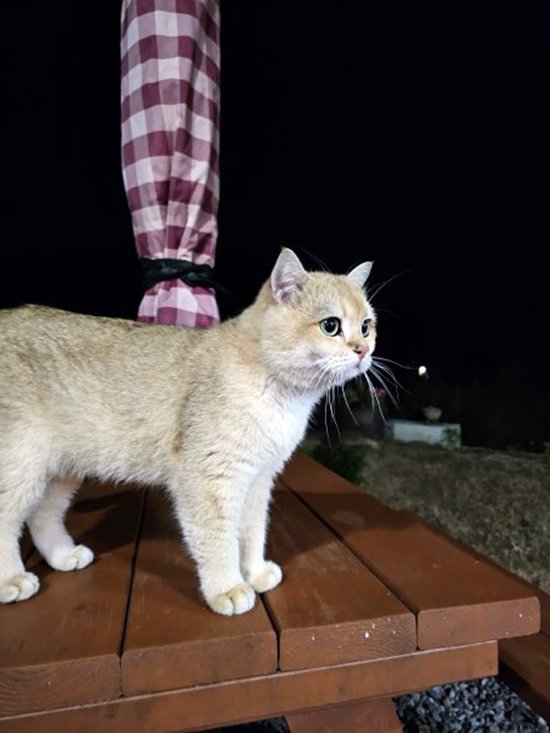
[(170, 139)]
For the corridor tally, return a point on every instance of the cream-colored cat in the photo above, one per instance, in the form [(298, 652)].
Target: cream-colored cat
[(211, 415)]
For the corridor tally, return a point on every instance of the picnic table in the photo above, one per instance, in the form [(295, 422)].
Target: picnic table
[(374, 603)]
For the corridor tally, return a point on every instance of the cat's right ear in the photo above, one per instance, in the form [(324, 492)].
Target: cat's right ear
[(360, 273), (288, 277)]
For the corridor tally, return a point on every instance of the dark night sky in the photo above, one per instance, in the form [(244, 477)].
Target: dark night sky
[(411, 133)]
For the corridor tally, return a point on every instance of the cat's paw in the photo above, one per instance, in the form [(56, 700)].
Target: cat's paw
[(19, 587), (269, 577), (239, 599), (73, 558)]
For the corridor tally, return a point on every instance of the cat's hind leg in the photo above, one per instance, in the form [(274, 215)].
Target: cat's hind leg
[(262, 574), (48, 531)]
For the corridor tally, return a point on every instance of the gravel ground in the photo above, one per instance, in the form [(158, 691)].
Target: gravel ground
[(479, 706), (496, 502)]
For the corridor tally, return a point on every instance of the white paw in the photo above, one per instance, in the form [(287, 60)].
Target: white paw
[(239, 599), (266, 579), (18, 588), (73, 558)]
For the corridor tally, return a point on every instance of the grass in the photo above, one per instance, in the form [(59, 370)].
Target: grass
[(498, 502)]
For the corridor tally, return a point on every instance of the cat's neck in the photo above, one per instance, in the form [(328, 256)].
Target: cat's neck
[(251, 318), (277, 382)]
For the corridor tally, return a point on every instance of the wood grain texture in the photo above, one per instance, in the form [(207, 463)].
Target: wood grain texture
[(374, 716), (329, 609), (459, 598), (525, 662), (26, 689), (525, 667), (172, 638), (61, 646), (281, 693)]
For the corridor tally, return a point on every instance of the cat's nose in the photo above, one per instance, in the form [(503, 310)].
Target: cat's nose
[(360, 349)]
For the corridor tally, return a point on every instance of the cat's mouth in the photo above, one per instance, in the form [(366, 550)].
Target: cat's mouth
[(365, 364), (337, 374), (361, 366), (352, 371)]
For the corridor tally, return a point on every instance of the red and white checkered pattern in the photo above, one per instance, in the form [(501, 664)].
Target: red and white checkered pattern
[(170, 140)]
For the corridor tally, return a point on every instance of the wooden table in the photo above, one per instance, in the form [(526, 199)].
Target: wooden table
[(374, 603)]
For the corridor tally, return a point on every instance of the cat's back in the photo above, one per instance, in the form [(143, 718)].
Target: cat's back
[(44, 342), (37, 324)]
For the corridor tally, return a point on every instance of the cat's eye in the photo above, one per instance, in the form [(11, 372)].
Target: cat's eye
[(330, 326), (365, 327)]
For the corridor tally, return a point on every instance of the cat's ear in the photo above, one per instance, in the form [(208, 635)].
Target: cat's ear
[(360, 274), (288, 276)]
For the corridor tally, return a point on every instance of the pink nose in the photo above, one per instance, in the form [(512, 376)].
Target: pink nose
[(361, 349)]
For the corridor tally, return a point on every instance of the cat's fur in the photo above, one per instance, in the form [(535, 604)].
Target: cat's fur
[(211, 415)]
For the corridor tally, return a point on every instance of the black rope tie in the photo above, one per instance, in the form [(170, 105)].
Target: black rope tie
[(157, 270)]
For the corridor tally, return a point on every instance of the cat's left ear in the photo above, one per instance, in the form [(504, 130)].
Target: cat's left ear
[(288, 276), (360, 274)]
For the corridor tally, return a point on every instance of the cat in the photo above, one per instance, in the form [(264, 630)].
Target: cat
[(210, 415)]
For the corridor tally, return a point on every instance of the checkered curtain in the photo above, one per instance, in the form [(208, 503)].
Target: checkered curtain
[(170, 140)]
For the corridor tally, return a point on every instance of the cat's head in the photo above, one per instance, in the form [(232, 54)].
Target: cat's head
[(318, 329)]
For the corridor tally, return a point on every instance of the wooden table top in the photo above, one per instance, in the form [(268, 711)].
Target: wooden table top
[(374, 602)]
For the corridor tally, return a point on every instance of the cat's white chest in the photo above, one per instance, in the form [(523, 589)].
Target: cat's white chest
[(285, 425)]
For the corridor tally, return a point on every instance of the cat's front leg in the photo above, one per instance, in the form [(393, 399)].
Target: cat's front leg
[(209, 512), (262, 574)]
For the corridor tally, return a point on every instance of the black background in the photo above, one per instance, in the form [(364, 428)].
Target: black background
[(411, 133)]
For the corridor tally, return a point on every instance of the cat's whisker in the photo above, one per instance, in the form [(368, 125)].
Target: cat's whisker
[(329, 409), (388, 372), (347, 404), (370, 388), (382, 285), (393, 395), (328, 397), (394, 399), (315, 380), (376, 366), (332, 398), (375, 398), (317, 260), (391, 361), (393, 314), (327, 432)]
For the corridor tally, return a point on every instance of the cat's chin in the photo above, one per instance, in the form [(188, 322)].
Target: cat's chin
[(357, 370), (363, 367)]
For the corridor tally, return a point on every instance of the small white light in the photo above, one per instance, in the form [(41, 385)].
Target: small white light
[(422, 371)]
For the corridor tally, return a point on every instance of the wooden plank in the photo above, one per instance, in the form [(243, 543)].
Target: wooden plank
[(173, 639), (281, 693), (329, 609), (525, 662), (525, 667), (61, 646), (374, 716), (458, 597)]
